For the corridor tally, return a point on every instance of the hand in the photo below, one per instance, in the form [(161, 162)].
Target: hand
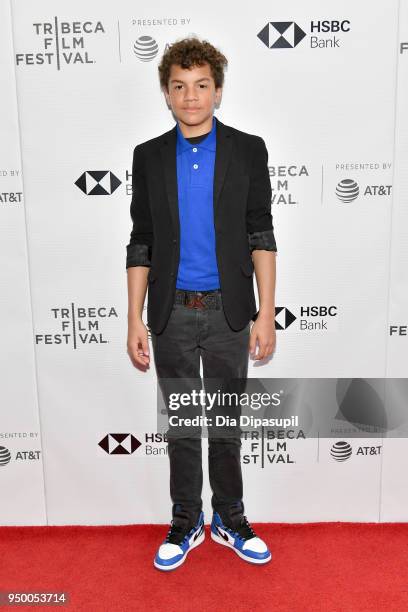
[(138, 345), (263, 331)]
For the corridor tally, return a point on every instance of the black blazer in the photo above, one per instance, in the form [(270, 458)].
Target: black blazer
[(242, 220)]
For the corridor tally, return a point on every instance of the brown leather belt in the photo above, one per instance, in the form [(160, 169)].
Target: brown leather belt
[(199, 299)]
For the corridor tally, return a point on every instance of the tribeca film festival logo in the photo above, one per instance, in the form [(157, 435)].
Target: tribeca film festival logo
[(342, 451), (268, 446), (98, 182), (288, 34), (281, 193), (21, 455), (310, 318), (61, 43), (155, 444), (398, 330), (78, 325)]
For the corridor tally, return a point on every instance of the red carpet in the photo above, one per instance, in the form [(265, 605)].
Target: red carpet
[(336, 567)]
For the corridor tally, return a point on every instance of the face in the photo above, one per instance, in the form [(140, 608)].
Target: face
[(192, 94)]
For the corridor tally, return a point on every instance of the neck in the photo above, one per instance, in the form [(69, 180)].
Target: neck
[(189, 131)]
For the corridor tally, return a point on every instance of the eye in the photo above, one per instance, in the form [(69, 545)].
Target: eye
[(177, 86), (202, 85)]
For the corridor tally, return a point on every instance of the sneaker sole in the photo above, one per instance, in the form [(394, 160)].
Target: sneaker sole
[(220, 540), (167, 568)]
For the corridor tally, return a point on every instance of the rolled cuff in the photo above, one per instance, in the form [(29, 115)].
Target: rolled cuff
[(262, 240), (138, 255)]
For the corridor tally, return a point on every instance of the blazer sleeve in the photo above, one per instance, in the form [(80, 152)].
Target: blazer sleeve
[(260, 229), (139, 249)]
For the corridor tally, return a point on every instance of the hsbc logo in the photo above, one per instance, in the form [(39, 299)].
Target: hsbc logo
[(281, 34), (308, 318), (120, 444), (288, 34), (283, 317), (98, 182)]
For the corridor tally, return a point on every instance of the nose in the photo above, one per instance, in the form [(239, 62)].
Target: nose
[(190, 93)]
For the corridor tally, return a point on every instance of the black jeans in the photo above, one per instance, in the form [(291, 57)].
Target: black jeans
[(192, 333)]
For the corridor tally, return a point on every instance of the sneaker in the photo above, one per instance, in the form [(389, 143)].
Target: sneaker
[(178, 543), (241, 538)]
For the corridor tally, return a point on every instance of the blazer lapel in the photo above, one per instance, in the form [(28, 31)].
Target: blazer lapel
[(168, 154), (222, 160), (224, 142)]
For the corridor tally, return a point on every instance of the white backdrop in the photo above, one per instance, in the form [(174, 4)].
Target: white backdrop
[(76, 98)]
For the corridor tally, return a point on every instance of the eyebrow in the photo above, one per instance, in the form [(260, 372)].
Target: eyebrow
[(197, 81)]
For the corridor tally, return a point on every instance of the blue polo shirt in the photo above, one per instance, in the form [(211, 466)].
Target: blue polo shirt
[(198, 269)]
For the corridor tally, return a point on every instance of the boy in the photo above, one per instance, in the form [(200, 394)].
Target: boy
[(201, 225)]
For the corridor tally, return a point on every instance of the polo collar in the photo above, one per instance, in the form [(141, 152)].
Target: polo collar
[(209, 142)]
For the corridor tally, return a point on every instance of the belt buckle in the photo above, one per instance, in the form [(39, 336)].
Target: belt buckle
[(196, 302)]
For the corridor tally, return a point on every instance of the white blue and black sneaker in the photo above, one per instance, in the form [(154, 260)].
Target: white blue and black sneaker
[(240, 538), (178, 543)]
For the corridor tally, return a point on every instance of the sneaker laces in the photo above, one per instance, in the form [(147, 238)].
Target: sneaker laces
[(176, 533), (244, 529)]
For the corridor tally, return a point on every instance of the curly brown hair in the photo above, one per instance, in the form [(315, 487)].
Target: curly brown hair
[(190, 52)]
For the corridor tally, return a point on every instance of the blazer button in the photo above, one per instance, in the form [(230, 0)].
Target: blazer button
[(172, 274), (174, 240)]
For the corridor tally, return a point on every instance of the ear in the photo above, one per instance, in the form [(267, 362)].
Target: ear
[(218, 96)]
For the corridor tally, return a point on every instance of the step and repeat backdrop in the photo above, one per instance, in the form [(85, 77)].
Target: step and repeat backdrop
[(327, 89)]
